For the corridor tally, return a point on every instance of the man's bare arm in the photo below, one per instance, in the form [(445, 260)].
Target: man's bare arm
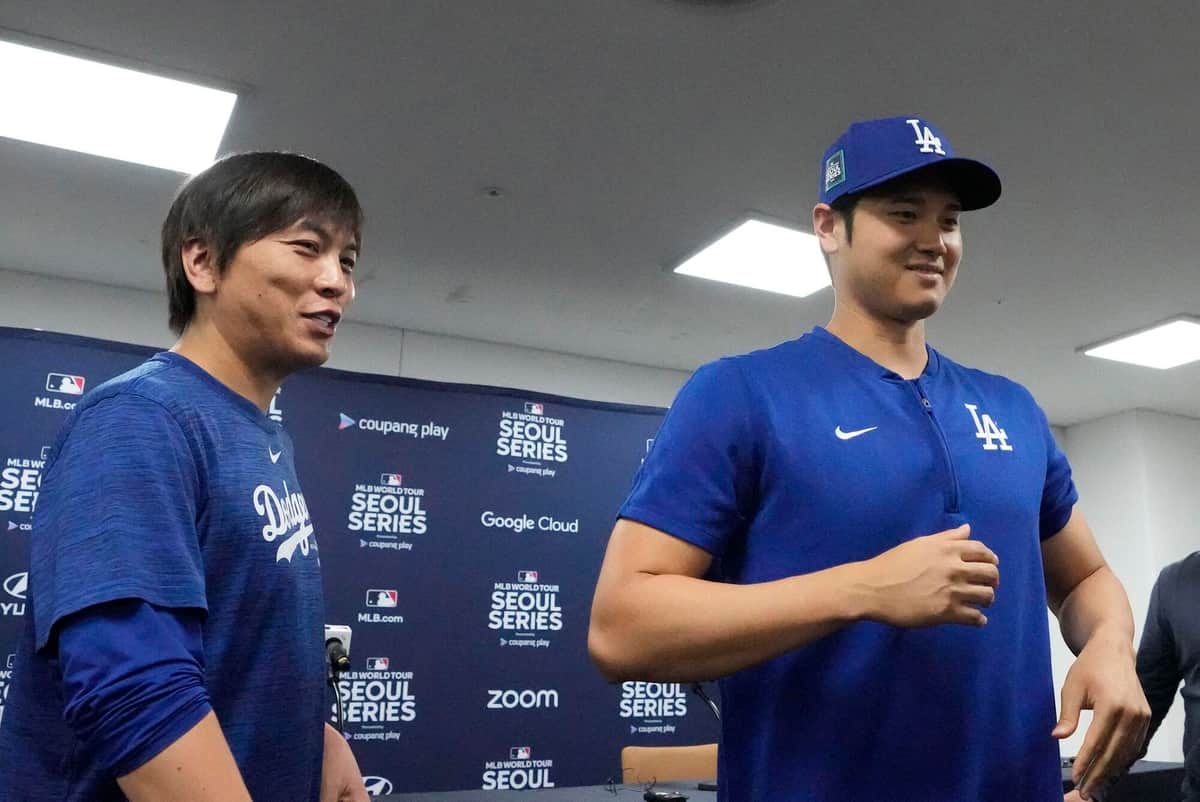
[(198, 767), (654, 618), (1096, 622)]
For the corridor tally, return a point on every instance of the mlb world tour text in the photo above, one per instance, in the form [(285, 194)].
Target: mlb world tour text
[(521, 606), (378, 697), (534, 437), (19, 484), (399, 510)]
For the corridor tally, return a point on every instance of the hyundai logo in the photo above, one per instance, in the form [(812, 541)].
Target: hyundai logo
[(378, 786), (17, 584)]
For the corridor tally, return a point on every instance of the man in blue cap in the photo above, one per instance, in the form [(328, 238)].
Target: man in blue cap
[(858, 535)]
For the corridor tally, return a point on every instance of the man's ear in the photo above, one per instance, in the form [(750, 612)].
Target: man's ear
[(826, 225), (200, 266)]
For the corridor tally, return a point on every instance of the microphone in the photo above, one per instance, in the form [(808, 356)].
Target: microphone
[(336, 655), (337, 660), (337, 648)]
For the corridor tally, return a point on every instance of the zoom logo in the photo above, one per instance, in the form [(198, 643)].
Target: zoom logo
[(522, 700)]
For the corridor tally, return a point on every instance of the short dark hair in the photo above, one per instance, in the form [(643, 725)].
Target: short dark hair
[(243, 198), (845, 206)]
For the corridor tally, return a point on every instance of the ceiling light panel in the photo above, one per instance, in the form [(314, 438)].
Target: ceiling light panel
[(763, 256), (86, 106)]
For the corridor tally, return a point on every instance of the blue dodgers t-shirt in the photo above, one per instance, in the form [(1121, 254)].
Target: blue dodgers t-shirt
[(808, 455), (166, 486)]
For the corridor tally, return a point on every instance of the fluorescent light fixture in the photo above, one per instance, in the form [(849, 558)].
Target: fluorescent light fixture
[(764, 256), (81, 105), (1164, 345)]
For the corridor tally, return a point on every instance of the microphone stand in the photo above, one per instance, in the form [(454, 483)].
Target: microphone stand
[(698, 689)]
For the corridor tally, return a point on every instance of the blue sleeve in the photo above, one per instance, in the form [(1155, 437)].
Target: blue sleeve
[(116, 516), (1058, 494), (132, 679), (699, 481)]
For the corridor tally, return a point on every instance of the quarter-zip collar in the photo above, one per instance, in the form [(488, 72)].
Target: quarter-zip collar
[(863, 362)]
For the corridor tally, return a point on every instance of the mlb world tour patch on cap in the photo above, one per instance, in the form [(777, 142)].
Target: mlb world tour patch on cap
[(835, 170)]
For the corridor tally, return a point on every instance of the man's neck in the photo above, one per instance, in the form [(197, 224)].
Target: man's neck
[(896, 345), (204, 345)]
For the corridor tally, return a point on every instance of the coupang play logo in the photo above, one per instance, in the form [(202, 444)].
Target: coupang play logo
[(416, 430)]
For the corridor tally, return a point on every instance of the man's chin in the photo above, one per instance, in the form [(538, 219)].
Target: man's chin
[(308, 359), (919, 310)]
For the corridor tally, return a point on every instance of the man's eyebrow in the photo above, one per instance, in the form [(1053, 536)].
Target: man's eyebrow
[(308, 224), (917, 200)]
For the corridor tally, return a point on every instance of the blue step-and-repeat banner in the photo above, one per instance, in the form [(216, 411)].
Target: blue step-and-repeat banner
[(461, 532)]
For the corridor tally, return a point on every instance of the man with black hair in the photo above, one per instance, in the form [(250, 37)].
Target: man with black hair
[(859, 536), (174, 645)]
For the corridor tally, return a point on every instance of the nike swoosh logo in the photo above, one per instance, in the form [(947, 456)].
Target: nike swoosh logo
[(851, 435), (274, 455)]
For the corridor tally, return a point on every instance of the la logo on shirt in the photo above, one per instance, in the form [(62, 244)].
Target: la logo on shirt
[(994, 438)]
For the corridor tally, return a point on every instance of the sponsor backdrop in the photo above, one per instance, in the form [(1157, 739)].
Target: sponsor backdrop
[(461, 529)]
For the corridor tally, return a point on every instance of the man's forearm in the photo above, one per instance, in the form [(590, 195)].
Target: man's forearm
[(701, 630), (1097, 608), (198, 767)]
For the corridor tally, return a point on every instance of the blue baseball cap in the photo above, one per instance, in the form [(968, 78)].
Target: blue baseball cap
[(874, 151)]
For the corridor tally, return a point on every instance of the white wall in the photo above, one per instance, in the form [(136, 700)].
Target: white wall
[(135, 316), (1137, 473)]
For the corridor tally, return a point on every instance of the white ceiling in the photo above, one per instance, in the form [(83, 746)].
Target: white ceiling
[(625, 133)]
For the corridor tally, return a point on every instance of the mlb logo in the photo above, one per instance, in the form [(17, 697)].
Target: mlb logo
[(535, 409), (381, 598), (378, 663), (519, 753), (11, 659), (390, 479), (45, 453), (65, 383), (527, 576), (649, 444)]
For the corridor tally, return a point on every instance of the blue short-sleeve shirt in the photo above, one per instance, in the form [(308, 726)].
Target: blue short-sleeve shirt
[(808, 455)]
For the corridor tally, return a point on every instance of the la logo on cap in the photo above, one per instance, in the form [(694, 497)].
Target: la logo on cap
[(925, 138), (835, 169)]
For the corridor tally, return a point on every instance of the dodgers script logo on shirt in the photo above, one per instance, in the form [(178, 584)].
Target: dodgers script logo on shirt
[(285, 515)]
